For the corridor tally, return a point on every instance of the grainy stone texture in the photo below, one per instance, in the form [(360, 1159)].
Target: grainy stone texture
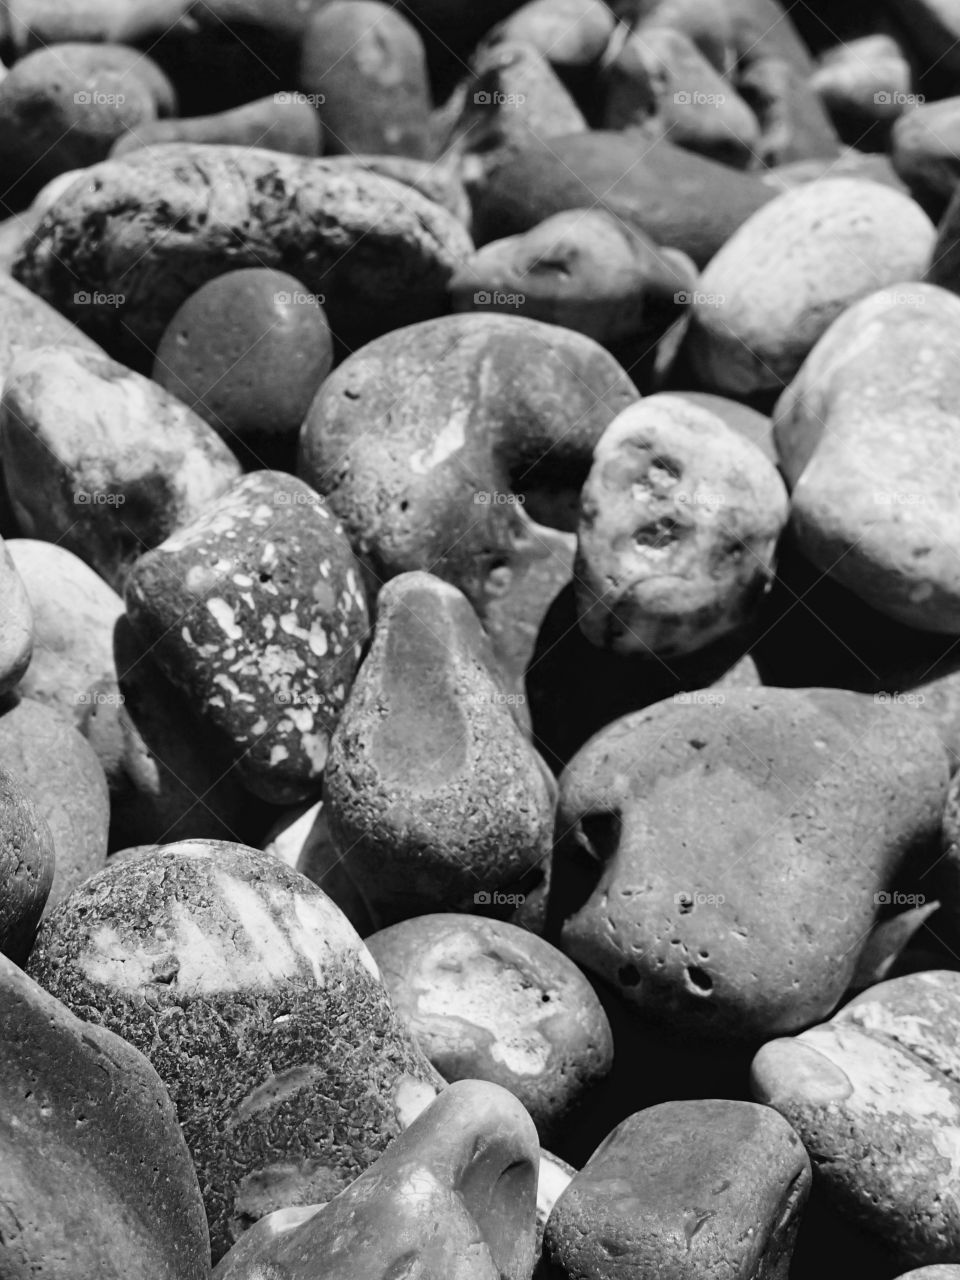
[(686, 1190), (679, 521), (744, 843), (96, 1182), (486, 1000), (434, 794), (256, 611), (867, 436), (260, 1009), (874, 1095), (159, 223), (26, 870)]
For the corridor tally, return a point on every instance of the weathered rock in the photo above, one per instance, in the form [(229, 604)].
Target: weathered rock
[(866, 437), (679, 521), (873, 1094), (700, 812), (686, 1189), (486, 1000), (103, 461), (16, 623), (261, 1011), (283, 122), (776, 286), (27, 322), (96, 1181), (434, 794), (26, 870), (255, 610)]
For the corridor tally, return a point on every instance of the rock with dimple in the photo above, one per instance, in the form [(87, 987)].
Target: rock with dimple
[(16, 622), (434, 794), (259, 1007), (26, 869), (790, 270), (685, 1190), (874, 1096), (60, 771), (679, 521), (256, 611), (486, 1000), (278, 123), (103, 461), (454, 1196), (247, 352), (744, 841), (867, 437), (440, 445), (96, 1181)]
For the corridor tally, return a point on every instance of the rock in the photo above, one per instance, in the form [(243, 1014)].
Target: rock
[(944, 878), (471, 1156), (261, 1011), (865, 435), (686, 1189), (571, 34), (865, 84), (365, 65), (850, 163), (37, 23), (934, 30), (486, 1000), (924, 152), (584, 269), (755, 427), (255, 611), (946, 1272), (679, 199), (790, 781), (27, 322), (248, 352), (59, 771), (180, 215), (761, 307), (793, 122), (96, 1181), (439, 446), (283, 122), (439, 180), (434, 800), (16, 624), (27, 863), (103, 461), (873, 1095), (679, 521), (61, 108), (659, 78)]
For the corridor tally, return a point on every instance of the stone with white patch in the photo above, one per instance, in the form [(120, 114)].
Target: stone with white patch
[(256, 611), (260, 1008), (875, 1096)]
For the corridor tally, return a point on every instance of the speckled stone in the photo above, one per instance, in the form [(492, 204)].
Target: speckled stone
[(16, 623), (26, 869), (454, 1196), (486, 1000), (874, 1095), (867, 440), (745, 840), (679, 522), (60, 772), (686, 1190), (281, 122), (256, 611), (247, 352), (259, 1007), (96, 1181), (434, 794), (426, 441), (103, 461), (780, 281)]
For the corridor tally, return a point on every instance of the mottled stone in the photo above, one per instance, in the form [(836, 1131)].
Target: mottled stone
[(454, 1196), (486, 1000), (282, 122), (101, 460), (874, 1095), (867, 440), (679, 521), (780, 281), (686, 1190), (260, 1009), (16, 622), (745, 839), (256, 611), (26, 870), (96, 1182), (60, 772), (434, 794)]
